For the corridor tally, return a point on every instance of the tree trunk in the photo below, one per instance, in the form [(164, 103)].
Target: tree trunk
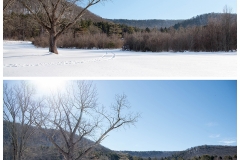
[(53, 42)]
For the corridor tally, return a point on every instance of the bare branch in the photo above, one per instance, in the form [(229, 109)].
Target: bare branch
[(35, 15), (76, 115), (7, 4), (18, 109)]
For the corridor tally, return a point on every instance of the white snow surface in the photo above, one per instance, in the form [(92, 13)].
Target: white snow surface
[(22, 59)]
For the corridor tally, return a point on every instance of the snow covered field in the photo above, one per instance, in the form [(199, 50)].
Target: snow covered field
[(25, 60)]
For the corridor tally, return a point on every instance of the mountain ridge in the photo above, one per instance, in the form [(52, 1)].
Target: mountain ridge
[(197, 151), (150, 23), (39, 145), (199, 20)]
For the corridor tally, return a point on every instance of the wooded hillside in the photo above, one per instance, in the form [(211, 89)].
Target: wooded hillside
[(202, 20), (148, 23), (40, 148)]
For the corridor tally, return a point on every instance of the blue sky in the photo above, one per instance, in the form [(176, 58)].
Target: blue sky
[(175, 115), (160, 9)]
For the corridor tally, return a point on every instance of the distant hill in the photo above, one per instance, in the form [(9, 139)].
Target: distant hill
[(17, 7), (92, 16), (40, 148), (199, 20), (151, 23), (211, 150), (207, 150), (152, 154)]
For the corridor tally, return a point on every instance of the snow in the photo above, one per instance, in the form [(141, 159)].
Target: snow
[(22, 59)]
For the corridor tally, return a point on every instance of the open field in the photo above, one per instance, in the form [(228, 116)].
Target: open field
[(25, 60)]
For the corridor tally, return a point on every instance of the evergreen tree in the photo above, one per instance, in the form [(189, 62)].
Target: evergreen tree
[(147, 30)]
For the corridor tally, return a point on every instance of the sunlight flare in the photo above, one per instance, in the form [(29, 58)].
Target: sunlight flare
[(49, 84)]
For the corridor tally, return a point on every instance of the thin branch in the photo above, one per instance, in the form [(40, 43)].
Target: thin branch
[(8, 4)]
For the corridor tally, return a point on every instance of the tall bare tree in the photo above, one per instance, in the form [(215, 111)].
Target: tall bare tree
[(57, 16), (226, 22), (18, 108), (74, 115)]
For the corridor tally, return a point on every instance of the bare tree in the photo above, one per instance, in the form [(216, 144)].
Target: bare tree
[(18, 109), (226, 26), (57, 16), (74, 115)]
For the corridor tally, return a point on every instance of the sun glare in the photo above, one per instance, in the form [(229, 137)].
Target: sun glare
[(48, 84)]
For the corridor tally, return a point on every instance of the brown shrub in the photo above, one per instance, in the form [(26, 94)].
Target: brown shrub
[(41, 41), (86, 41)]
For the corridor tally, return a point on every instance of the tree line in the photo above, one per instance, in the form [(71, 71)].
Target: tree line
[(23, 27), (89, 34), (203, 157), (84, 34), (150, 23), (62, 120), (217, 35)]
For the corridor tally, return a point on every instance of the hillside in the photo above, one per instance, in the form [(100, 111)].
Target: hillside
[(19, 24), (198, 151), (199, 20), (150, 23), (207, 150), (39, 147), (152, 154), (17, 8)]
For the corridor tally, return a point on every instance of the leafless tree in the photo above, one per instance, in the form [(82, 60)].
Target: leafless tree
[(210, 39), (74, 116), (18, 108), (52, 14), (226, 22)]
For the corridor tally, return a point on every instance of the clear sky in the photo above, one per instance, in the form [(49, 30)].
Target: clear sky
[(159, 9), (175, 115)]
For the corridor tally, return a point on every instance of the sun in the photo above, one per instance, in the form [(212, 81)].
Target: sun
[(49, 84)]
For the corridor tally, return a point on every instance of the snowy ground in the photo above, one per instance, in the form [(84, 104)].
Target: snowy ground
[(25, 60)]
